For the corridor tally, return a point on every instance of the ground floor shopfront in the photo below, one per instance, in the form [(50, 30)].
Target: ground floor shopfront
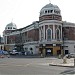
[(50, 50), (46, 50)]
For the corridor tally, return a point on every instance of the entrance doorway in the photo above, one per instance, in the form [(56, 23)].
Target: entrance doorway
[(49, 51), (66, 52), (58, 52)]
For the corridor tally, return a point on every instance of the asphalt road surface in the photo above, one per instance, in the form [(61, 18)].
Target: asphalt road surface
[(32, 66)]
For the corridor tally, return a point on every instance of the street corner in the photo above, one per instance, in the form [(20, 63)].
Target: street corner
[(61, 64)]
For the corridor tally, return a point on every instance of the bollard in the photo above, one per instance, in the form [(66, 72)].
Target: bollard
[(64, 60), (59, 56), (41, 55)]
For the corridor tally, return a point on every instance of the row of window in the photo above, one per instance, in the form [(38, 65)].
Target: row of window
[(50, 11), (10, 28), (49, 34)]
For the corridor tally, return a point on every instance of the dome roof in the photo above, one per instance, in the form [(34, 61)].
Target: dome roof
[(11, 26), (49, 7)]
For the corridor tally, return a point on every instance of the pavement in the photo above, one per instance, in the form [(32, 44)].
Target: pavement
[(62, 62), (55, 61)]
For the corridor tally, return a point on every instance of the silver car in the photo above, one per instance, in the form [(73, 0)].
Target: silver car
[(71, 55)]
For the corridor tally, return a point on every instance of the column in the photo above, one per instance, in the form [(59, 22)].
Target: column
[(44, 51), (61, 32), (53, 32), (5, 39), (39, 34), (44, 31)]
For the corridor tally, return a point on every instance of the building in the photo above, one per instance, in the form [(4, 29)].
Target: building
[(48, 36), (8, 30), (1, 43)]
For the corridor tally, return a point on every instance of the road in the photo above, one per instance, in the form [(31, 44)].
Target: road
[(32, 66)]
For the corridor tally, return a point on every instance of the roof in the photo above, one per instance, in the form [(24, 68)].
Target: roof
[(11, 25), (50, 6)]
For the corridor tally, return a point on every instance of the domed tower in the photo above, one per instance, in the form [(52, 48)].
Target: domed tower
[(11, 26), (50, 12), (8, 29), (50, 29)]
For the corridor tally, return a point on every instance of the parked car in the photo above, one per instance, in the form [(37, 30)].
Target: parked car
[(71, 55), (6, 54), (14, 52)]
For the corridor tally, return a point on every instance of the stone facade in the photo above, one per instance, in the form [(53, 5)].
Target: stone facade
[(48, 36)]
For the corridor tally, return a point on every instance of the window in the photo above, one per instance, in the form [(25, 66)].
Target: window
[(51, 11), (9, 27), (46, 11), (49, 34), (57, 12), (14, 28), (57, 34)]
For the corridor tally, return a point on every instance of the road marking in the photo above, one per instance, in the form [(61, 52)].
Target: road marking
[(16, 65)]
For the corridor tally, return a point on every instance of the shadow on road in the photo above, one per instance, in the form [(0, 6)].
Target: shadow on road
[(23, 56), (68, 72)]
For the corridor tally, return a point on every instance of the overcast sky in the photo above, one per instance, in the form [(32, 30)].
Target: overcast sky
[(24, 12)]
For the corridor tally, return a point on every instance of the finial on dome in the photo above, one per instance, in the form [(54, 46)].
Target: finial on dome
[(12, 20), (49, 1)]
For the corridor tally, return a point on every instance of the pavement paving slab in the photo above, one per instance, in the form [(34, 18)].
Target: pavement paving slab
[(69, 63)]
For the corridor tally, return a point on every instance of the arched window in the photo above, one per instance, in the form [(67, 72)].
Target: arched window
[(49, 34), (41, 34), (57, 34)]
